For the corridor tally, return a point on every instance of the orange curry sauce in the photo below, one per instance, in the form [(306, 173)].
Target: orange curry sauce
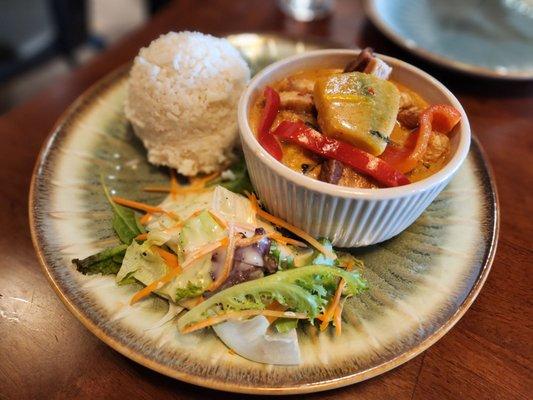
[(307, 163)]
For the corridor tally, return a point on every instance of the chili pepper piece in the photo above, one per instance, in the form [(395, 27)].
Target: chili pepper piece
[(265, 137)]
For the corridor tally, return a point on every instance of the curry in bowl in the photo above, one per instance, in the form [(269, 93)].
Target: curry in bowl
[(354, 126)]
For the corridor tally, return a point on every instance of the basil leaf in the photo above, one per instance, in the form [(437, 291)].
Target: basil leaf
[(241, 184), (105, 262), (125, 222), (122, 224)]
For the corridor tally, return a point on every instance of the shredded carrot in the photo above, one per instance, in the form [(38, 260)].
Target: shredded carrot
[(275, 306), (180, 224), (201, 182), (240, 314), (274, 235), (178, 190), (244, 226), (137, 205), (157, 189), (337, 320), (170, 259), (173, 228), (196, 185), (328, 314), (143, 207), (141, 294), (194, 214), (219, 218), (228, 262), (199, 253), (173, 272), (141, 236), (146, 218), (173, 183), (172, 215), (297, 231), (184, 190), (245, 242), (278, 237), (175, 188)]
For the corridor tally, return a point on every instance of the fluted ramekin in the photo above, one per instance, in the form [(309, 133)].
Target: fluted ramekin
[(349, 217)]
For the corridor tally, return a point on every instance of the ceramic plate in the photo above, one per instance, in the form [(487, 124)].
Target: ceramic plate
[(421, 282), (492, 38)]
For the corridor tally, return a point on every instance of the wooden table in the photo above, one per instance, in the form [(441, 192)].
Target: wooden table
[(46, 353)]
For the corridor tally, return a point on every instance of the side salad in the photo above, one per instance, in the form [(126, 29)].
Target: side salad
[(211, 249)]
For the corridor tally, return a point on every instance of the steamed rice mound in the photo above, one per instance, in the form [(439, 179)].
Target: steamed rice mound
[(182, 99)]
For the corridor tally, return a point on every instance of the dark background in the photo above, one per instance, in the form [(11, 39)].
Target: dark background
[(41, 40)]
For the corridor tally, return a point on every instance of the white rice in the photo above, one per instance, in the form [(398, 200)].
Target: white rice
[(182, 99)]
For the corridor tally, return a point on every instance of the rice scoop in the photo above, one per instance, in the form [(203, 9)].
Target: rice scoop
[(182, 99)]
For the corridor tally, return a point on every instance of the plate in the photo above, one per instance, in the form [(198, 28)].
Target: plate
[(490, 38), (421, 282)]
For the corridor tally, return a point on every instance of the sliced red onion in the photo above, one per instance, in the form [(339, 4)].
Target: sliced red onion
[(249, 255)]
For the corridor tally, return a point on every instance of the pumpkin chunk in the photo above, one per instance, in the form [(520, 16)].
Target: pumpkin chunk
[(357, 108)]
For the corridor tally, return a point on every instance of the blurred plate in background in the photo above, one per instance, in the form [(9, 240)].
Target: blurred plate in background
[(491, 38)]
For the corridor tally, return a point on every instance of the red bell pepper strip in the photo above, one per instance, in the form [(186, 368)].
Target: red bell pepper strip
[(361, 161), (395, 154), (441, 118), (265, 137)]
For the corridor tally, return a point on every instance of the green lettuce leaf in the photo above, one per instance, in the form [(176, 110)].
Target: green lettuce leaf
[(232, 206), (191, 290), (282, 255), (304, 290), (129, 279), (288, 257), (199, 231), (321, 259), (145, 266), (105, 262), (284, 325)]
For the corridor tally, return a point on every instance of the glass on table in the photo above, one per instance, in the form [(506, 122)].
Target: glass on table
[(306, 10)]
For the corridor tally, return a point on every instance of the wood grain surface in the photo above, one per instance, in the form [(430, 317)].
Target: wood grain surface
[(45, 353)]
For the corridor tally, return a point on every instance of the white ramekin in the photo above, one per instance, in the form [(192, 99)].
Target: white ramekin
[(349, 217)]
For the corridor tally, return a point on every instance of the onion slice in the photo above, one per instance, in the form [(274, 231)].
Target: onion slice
[(250, 339)]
